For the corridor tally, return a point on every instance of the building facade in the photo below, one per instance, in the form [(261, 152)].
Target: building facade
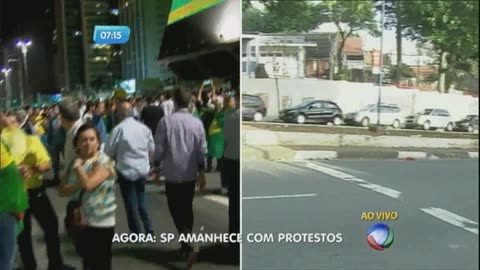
[(80, 63), (202, 41), (298, 55), (275, 55), (147, 20)]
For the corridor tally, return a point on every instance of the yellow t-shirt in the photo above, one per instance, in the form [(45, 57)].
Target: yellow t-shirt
[(28, 150), (17, 143), (5, 157), (39, 125), (37, 155)]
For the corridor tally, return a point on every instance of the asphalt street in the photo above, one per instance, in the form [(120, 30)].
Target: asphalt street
[(211, 216), (436, 201)]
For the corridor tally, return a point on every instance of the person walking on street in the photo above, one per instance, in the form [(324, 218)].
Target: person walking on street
[(91, 179), (99, 121), (131, 146), (151, 115), (216, 136), (55, 142), (168, 105), (180, 146), (33, 159), (13, 203), (71, 122), (231, 172)]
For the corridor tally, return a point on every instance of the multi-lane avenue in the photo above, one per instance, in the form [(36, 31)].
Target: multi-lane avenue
[(436, 202)]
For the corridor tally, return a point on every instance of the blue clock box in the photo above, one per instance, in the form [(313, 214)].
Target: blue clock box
[(111, 34)]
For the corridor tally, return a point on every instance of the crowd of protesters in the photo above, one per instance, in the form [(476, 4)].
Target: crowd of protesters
[(94, 145)]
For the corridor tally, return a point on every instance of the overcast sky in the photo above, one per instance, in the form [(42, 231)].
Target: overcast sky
[(410, 51)]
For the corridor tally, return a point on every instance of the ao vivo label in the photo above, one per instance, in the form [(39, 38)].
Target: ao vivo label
[(111, 34), (392, 215)]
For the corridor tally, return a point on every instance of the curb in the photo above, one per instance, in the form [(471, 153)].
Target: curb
[(273, 138), (286, 154)]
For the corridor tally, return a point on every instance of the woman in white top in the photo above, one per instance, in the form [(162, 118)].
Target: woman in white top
[(92, 176), (89, 112)]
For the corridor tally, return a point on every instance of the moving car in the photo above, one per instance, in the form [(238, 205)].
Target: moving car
[(319, 111), (390, 115), (469, 124), (430, 119), (253, 108)]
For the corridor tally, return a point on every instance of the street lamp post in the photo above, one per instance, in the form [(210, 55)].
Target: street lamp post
[(5, 72), (18, 77), (23, 45), (380, 77)]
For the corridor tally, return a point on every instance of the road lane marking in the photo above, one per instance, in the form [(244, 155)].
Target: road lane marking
[(411, 154), (276, 169), (279, 196), (218, 199), (306, 155), (355, 180), (452, 218)]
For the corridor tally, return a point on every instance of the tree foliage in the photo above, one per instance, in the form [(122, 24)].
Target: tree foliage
[(281, 17), (404, 70), (394, 12), (349, 17), (303, 16), (449, 27)]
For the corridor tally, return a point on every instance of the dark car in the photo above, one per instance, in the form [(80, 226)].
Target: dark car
[(253, 108), (469, 124), (319, 111)]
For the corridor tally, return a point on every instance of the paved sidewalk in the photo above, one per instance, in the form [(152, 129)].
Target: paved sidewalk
[(211, 215)]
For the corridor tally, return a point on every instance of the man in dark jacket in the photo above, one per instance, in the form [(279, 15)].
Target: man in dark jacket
[(151, 115)]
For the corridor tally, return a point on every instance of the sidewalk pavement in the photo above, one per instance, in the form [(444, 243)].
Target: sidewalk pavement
[(210, 213)]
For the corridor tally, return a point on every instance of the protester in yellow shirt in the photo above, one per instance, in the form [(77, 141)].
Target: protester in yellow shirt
[(13, 202), (39, 124), (33, 160)]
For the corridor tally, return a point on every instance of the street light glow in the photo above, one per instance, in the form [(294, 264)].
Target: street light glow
[(24, 44), (6, 71)]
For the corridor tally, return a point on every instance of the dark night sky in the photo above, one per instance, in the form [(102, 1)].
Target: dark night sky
[(14, 12), (33, 19)]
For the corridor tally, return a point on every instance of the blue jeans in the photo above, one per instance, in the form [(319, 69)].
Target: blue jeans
[(8, 236), (133, 194)]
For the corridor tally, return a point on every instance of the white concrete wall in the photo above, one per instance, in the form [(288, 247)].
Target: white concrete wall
[(353, 96), (288, 66)]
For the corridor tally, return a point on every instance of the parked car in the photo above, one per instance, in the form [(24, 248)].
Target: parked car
[(253, 108), (390, 115), (319, 111), (469, 124), (429, 119)]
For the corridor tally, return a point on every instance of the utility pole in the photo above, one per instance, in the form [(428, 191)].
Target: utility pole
[(380, 80)]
